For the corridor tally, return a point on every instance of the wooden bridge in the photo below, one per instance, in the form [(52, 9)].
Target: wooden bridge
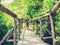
[(25, 36)]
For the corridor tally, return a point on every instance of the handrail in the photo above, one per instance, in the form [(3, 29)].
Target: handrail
[(8, 34), (41, 16), (3, 9), (54, 9)]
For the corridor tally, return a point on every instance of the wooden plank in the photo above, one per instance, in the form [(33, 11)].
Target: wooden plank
[(5, 10), (14, 33), (11, 40), (6, 36), (46, 37), (48, 31), (52, 29)]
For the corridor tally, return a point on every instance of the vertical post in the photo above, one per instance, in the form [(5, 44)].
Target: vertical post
[(19, 29), (52, 28), (41, 27), (15, 42), (21, 23), (35, 25), (27, 23)]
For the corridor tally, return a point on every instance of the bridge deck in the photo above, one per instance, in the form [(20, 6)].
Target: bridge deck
[(30, 39)]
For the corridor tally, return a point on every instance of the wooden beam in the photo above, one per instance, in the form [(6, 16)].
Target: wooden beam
[(46, 37), (6, 36), (55, 8), (5, 10), (14, 33), (19, 29), (48, 31), (41, 17), (52, 29), (9, 36), (11, 40)]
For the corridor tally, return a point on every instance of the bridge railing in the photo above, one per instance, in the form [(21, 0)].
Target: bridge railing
[(17, 23), (50, 16), (13, 30)]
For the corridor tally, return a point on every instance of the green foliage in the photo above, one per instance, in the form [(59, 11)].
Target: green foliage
[(3, 27), (34, 8), (57, 22), (57, 38)]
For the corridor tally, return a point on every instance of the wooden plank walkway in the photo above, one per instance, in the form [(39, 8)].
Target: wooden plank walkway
[(30, 39)]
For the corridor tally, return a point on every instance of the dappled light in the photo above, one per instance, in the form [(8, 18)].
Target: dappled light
[(29, 22), (6, 1)]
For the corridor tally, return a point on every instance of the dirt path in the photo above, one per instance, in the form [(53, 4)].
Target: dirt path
[(30, 39)]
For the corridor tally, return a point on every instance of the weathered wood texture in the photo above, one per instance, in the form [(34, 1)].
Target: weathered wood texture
[(15, 32), (41, 17), (19, 29), (52, 29), (5, 10), (54, 9), (46, 37), (11, 40), (6, 36), (41, 28)]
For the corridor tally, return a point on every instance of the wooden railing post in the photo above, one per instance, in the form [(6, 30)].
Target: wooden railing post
[(35, 26), (27, 23), (15, 42), (19, 29), (52, 29), (21, 23), (40, 27)]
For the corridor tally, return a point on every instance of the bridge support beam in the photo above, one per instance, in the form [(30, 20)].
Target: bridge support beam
[(52, 29), (41, 28), (15, 36)]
